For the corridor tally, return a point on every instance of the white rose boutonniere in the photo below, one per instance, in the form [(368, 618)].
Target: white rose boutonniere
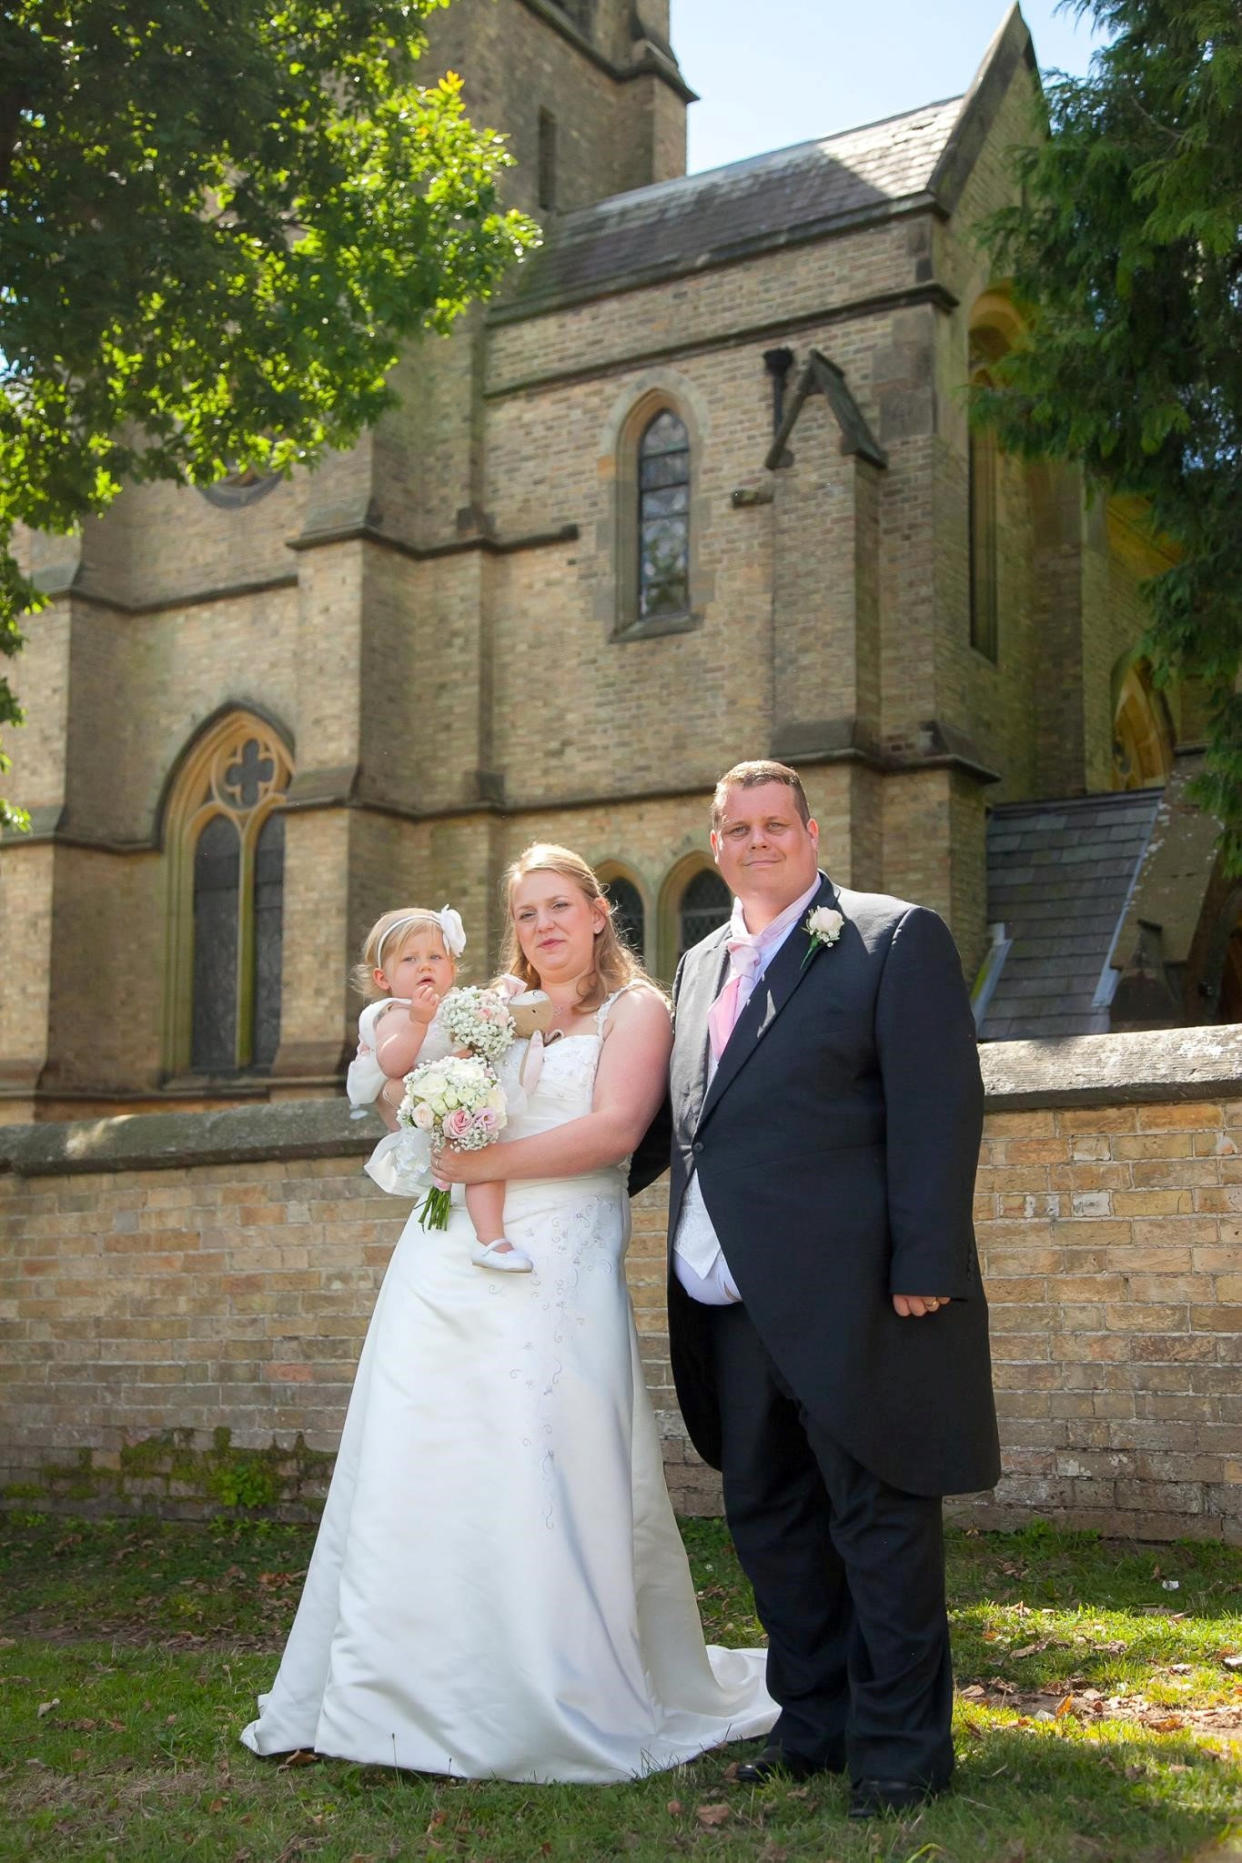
[(822, 927)]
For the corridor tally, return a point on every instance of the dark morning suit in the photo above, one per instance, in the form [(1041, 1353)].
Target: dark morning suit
[(836, 1150)]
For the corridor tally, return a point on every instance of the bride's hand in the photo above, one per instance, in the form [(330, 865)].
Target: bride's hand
[(463, 1167)]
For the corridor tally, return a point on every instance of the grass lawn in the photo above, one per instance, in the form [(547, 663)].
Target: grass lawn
[(1099, 1718)]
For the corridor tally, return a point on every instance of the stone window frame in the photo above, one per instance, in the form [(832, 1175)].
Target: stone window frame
[(1143, 732), (995, 324), (672, 892), (610, 869), (983, 545), (237, 491), (198, 793), (640, 411)]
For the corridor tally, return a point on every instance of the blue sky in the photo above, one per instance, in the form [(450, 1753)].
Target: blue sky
[(773, 72)]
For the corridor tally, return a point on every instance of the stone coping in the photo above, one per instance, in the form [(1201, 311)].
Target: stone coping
[(171, 1141), (1202, 1063), (1077, 1070)]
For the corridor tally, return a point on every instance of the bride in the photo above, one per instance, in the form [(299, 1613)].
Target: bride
[(499, 1589)]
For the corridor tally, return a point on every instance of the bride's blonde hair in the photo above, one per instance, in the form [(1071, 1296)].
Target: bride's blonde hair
[(615, 964)]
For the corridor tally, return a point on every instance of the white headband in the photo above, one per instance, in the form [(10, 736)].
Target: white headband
[(449, 921)]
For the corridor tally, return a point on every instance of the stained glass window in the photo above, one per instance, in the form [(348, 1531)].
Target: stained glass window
[(217, 876), (664, 518), (269, 878), (627, 914), (705, 905), (225, 832), (983, 469)]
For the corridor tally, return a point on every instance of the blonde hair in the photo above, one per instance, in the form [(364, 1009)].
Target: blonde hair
[(419, 919), (614, 965)]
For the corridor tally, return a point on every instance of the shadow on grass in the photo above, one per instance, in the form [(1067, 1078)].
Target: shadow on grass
[(137, 1756), (1112, 1794)]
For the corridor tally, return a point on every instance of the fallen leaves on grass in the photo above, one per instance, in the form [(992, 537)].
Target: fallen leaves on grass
[(712, 1815), (1091, 1704)]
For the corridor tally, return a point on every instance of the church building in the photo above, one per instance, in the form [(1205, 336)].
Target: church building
[(698, 487)]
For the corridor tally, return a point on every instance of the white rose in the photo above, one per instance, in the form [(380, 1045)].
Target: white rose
[(826, 924), (424, 1118)]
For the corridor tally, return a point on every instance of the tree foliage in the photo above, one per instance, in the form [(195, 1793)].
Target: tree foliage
[(219, 219), (1124, 250)]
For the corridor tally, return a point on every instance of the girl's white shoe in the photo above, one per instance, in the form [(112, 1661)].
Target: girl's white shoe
[(503, 1255)]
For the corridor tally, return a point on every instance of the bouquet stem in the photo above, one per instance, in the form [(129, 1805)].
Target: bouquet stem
[(436, 1206)]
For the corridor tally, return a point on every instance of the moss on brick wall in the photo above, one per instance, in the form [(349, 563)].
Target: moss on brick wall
[(181, 1472)]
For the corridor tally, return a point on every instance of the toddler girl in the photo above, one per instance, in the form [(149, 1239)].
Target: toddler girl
[(409, 964)]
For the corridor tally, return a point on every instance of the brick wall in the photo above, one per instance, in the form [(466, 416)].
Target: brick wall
[(1109, 1216), (167, 1278)]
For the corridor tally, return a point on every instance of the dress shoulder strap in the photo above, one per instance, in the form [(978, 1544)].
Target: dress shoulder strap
[(605, 1008)]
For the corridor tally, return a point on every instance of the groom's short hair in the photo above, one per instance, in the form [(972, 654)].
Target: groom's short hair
[(751, 776)]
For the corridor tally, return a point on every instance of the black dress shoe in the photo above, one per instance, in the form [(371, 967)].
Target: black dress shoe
[(871, 1798), (775, 1763)]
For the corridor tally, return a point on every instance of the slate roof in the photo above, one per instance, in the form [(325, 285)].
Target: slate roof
[(764, 202), (1059, 878)]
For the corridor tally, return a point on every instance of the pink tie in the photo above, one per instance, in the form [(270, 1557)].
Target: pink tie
[(723, 1015)]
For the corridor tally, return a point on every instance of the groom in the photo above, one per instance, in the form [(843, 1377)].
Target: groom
[(828, 1327)]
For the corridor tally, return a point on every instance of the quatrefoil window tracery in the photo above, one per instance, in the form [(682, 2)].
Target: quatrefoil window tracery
[(245, 771)]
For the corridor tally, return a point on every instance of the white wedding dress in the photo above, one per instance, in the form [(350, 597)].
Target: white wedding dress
[(499, 1589)]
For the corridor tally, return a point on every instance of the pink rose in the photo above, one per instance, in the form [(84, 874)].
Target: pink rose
[(487, 1119), (457, 1123)]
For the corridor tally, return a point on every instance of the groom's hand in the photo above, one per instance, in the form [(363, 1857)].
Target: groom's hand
[(914, 1306)]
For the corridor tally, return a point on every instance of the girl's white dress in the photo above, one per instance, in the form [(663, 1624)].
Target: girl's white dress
[(499, 1589), (400, 1162)]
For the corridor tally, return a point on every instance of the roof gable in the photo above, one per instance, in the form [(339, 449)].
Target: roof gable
[(921, 158)]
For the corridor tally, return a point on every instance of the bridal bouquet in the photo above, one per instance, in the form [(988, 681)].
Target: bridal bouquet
[(457, 1102), (478, 1020)]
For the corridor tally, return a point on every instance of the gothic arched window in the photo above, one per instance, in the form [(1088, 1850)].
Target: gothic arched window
[(217, 883), (269, 899), (983, 471), (1142, 729), (664, 518), (705, 905), (628, 913), (994, 326), (225, 840)]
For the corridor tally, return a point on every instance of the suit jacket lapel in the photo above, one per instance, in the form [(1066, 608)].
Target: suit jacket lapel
[(773, 991), (698, 992)]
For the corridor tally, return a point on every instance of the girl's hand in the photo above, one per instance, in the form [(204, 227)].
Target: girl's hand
[(424, 1002)]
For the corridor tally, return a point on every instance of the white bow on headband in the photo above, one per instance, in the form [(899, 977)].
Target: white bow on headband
[(453, 929), (454, 932)]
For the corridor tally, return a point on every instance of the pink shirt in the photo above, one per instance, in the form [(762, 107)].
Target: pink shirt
[(698, 1259)]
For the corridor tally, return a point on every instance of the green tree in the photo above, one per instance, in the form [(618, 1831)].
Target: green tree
[(1124, 253), (219, 220)]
